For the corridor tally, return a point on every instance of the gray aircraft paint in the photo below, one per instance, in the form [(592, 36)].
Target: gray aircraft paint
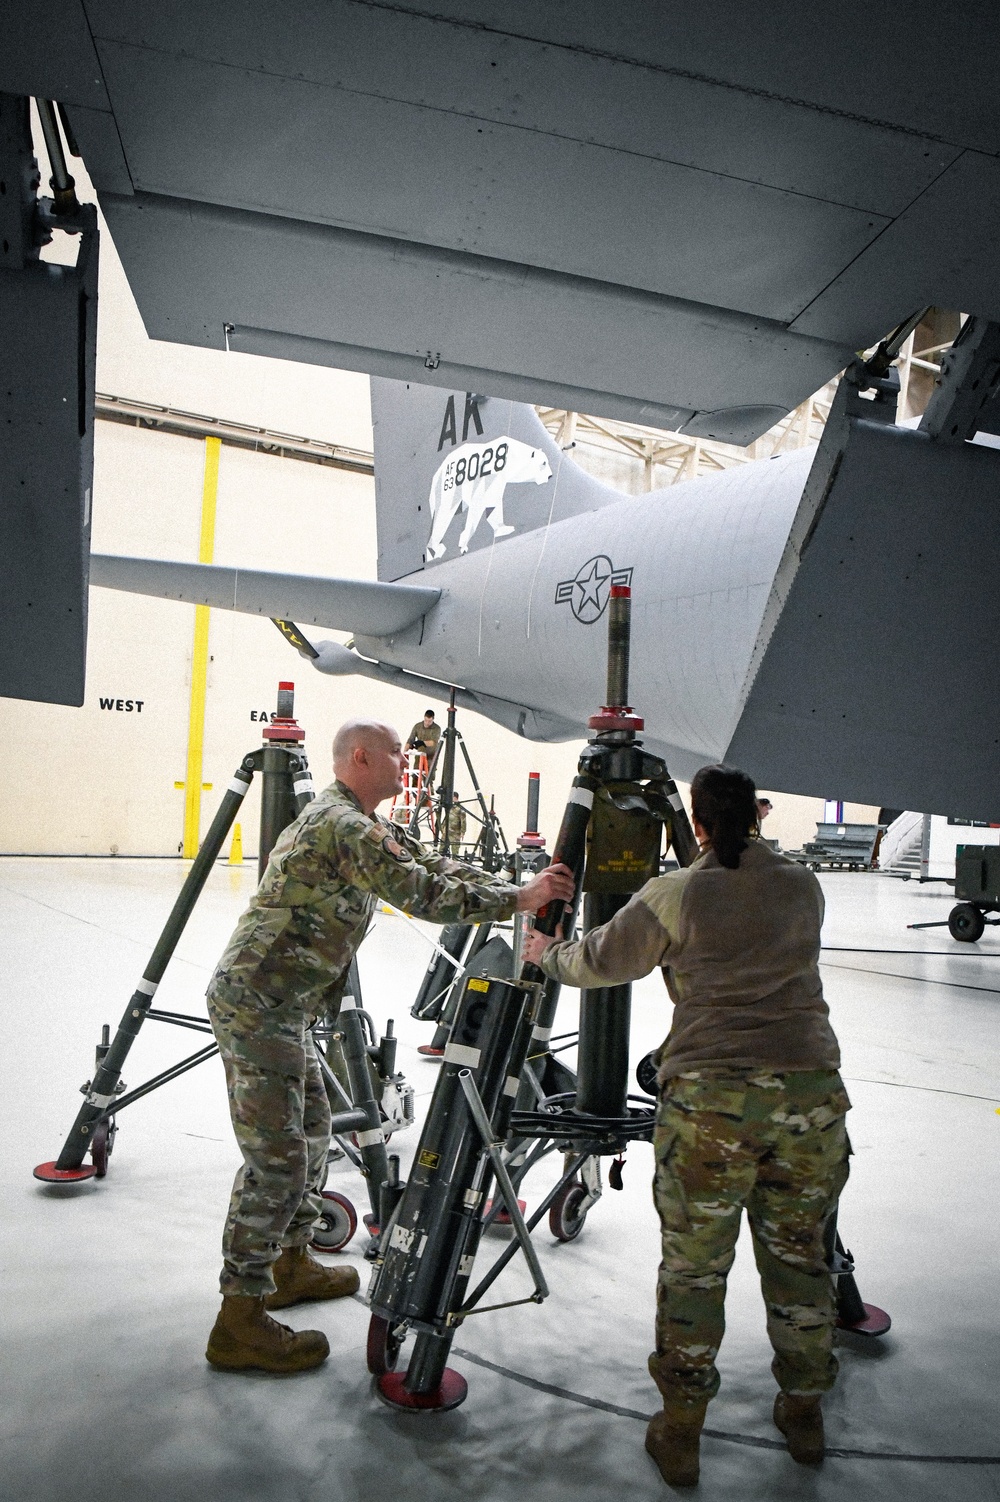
[(700, 556), (418, 428), (784, 618), (692, 225)]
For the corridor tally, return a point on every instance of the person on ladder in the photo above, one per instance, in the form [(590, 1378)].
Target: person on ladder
[(425, 735), (751, 1110), (285, 965)]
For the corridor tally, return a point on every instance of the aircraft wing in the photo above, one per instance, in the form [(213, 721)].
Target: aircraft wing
[(362, 605), (693, 224)]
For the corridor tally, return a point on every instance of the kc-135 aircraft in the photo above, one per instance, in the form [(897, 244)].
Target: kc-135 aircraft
[(812, 617), (692, 218)]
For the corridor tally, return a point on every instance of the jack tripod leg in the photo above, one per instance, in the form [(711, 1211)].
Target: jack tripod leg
[(371, 1136), (100, 1098), (852, 1311), (439, 974)]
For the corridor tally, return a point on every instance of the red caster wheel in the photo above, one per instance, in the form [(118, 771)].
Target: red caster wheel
[(337, 1223), (565, 1218), (384, 1346)]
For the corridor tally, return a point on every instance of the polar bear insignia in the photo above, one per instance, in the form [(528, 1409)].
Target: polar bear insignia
[(473, 478)]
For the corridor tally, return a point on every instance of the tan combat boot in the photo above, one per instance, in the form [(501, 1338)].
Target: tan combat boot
[(800, 1420), (673, 1437), (246, 1338), (673, 1440), (300, 1279)]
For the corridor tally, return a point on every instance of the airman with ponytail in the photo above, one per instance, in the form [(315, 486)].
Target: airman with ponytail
[(751, 1110)]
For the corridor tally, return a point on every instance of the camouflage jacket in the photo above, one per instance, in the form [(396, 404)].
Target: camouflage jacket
[(315, 901), (456, 824)]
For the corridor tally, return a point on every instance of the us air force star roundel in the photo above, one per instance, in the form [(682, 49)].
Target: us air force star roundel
[(589, 592)]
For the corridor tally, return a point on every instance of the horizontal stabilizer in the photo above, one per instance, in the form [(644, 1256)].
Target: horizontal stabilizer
[(362, 605)]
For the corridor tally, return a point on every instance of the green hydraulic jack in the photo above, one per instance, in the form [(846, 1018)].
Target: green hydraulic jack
[(622, 802), (286, 789)]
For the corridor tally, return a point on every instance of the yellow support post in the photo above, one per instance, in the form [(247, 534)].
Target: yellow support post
[(236, 848), (199, 660)]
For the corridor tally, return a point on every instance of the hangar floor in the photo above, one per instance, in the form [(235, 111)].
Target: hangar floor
[(109, 1288)]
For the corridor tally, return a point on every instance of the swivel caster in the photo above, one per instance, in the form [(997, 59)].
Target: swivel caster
[(337, 1223), (101, 1145), (384, 1346), (565, 1218)]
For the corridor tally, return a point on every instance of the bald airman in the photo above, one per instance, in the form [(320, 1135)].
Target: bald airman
[(285, 966)]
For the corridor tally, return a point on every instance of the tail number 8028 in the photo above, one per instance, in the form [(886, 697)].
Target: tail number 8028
[(477, 466)]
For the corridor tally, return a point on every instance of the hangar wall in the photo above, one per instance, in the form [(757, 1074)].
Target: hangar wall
[(106, 774)]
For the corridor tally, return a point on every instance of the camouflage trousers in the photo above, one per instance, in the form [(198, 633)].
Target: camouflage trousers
[(281, 1117), (777, 1146)]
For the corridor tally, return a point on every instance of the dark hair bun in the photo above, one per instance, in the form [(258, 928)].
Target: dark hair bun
[(724, 801)]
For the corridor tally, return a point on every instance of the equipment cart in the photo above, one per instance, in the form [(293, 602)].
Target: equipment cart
[(840, 847), (977, 887)]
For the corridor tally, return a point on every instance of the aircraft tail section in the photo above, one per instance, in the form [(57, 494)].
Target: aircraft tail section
[(456, 471)]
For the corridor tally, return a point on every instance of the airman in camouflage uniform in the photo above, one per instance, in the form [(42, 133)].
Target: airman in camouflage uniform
[(287, 964), (751, 1109), (457, 823), (777, 1144)]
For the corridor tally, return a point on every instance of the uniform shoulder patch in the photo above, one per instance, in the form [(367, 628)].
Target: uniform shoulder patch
[(383, 838)]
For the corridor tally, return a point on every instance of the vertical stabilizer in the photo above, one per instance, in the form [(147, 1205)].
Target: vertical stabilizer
[(456, 471)]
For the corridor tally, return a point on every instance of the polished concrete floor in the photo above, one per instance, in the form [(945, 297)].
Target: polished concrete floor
[(109, 1287)]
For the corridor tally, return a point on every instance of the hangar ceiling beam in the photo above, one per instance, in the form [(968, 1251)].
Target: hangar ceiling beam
[(180, 424)]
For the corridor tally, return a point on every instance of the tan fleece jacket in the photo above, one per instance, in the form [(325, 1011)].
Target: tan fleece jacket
[(739, 952)]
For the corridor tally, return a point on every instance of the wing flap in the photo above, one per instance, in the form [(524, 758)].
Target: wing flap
[(361, 605)]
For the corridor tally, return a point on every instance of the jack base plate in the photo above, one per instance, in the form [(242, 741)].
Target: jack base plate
[(429, 1052), (502, 1217), (875, 1322), (50, 1174), (453, 1390)]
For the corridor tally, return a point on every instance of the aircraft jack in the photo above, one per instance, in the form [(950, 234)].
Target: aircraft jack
[(491, 845), (472, 1137), (491, 1116), (357, 1111)]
